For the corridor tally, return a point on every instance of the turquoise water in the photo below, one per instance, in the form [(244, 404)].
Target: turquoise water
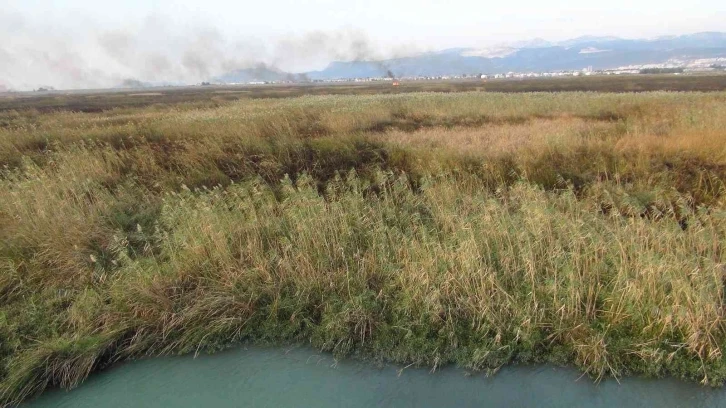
[(302, 377)]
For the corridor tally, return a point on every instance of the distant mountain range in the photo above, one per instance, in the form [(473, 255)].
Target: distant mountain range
[(537, 55)]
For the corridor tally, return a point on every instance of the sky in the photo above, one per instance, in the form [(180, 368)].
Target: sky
[(90, 43)]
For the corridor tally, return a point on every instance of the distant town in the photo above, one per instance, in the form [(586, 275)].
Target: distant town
[(675, 67)]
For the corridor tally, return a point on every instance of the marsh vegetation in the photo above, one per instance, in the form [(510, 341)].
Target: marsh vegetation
[(430, 228)]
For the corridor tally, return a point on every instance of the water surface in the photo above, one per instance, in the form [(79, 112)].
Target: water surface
[(301, 377)]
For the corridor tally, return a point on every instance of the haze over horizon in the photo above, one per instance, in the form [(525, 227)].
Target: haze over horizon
[(85, 44)]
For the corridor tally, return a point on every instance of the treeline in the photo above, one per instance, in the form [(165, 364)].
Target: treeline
[(661, 71)]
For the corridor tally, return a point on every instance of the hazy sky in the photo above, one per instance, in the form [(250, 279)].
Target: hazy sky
[(73, 43)]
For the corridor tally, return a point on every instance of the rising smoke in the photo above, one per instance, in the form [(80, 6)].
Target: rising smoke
[(154, 50)]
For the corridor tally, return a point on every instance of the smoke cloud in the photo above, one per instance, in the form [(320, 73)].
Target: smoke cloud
[(156, 50)]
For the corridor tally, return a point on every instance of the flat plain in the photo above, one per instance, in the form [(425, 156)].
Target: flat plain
[(474, 223)]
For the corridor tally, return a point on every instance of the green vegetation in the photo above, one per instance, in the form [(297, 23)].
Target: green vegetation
[(470, 228), (662, 71)]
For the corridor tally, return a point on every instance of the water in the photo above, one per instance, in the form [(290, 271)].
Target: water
[(301, 377)]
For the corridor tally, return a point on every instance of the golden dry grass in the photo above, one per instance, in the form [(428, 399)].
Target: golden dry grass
[(474, 228)]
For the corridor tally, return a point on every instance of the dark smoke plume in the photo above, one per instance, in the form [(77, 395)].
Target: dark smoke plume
[(156, 51)]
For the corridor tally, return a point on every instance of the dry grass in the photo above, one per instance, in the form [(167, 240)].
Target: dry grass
[(472, 228)]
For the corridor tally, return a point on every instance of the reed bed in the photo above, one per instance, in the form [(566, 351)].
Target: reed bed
[(474, 228)]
